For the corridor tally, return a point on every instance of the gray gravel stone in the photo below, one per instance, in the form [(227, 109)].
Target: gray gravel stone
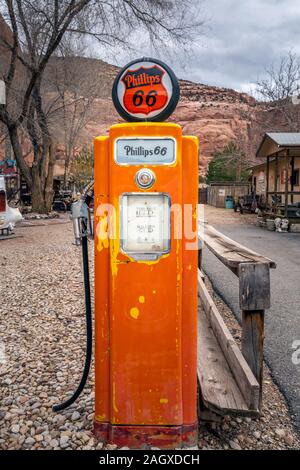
[(64, 442), (15, 428), (234, 445), (75, 416), (54, 443), (29, 440)]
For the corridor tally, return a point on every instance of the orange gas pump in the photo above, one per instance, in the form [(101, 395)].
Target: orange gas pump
[(145, 230), (146, 174)]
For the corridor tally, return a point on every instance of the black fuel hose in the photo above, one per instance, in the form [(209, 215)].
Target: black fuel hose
[(89, 330)]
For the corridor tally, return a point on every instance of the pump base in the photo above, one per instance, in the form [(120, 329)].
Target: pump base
[(164, 437)]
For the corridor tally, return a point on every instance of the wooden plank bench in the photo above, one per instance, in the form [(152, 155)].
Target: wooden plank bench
[(227, 384), (231, 380)]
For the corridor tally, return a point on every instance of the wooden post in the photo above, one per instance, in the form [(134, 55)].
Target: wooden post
[(286, 193), (292, 179), (253, 344), (267, 185), (276, 178), (254, 291), (200, 249)]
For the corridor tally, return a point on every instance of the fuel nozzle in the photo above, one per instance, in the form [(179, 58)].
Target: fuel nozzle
[(81, 217)]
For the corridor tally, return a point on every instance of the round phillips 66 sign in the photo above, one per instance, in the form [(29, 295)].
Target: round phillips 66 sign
[(145, 90)]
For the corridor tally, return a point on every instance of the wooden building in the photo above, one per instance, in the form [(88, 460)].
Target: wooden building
[(277, 178)]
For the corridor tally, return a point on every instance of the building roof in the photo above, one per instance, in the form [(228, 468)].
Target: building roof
[(273, 142)]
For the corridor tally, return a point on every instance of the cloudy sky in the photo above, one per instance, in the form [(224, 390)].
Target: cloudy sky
[(240, 39)]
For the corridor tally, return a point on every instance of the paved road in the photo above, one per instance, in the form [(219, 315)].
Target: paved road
[(283, 319)]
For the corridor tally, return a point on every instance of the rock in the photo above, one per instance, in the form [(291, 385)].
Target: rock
[(280, 432), (75, 416), (35, 405), (23, 429), (53, 443), (7, 381), (84, 437), (111, 446), (23, 400), (64, 442), (15, 428), (234, 445), (61, 419), (39, 437), (257, 434), (29, 440), (288, 439)]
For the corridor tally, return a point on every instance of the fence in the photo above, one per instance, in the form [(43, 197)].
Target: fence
[(217, 192), (230, 379)]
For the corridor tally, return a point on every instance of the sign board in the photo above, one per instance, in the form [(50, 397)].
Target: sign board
[(145, 150), (283, 176), (2, 93), (222, 192), (261, 177), (145, 90)]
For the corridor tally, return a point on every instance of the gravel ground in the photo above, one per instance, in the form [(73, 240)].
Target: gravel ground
[(42, 342)]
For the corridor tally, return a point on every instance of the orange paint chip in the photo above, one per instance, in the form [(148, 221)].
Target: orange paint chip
[(163, 400), (134, 313)]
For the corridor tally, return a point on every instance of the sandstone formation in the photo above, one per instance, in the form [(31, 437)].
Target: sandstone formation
[(216, 115)]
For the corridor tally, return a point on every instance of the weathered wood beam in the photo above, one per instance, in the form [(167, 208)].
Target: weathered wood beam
[(254, 294), (244, 377), (228, 251)]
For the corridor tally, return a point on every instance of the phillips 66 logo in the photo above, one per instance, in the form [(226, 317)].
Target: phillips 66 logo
[(145, 90)]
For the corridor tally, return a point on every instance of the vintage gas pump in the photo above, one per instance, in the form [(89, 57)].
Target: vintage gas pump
[(145, 202)]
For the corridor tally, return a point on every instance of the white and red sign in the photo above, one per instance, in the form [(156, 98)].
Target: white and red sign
[(145, 90)]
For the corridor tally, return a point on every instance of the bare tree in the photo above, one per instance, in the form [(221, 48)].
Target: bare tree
[(280, 89), (38, 29), (72, 102)]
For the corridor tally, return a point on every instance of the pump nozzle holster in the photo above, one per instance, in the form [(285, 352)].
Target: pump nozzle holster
[(82, 224)]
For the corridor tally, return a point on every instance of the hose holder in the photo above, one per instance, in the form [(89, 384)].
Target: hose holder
[(82, 222)]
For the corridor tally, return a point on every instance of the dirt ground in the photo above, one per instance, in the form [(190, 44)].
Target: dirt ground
[(217, 216), (42, 345)]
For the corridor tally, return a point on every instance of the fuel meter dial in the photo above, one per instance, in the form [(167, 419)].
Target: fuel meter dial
[(145, 178)]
